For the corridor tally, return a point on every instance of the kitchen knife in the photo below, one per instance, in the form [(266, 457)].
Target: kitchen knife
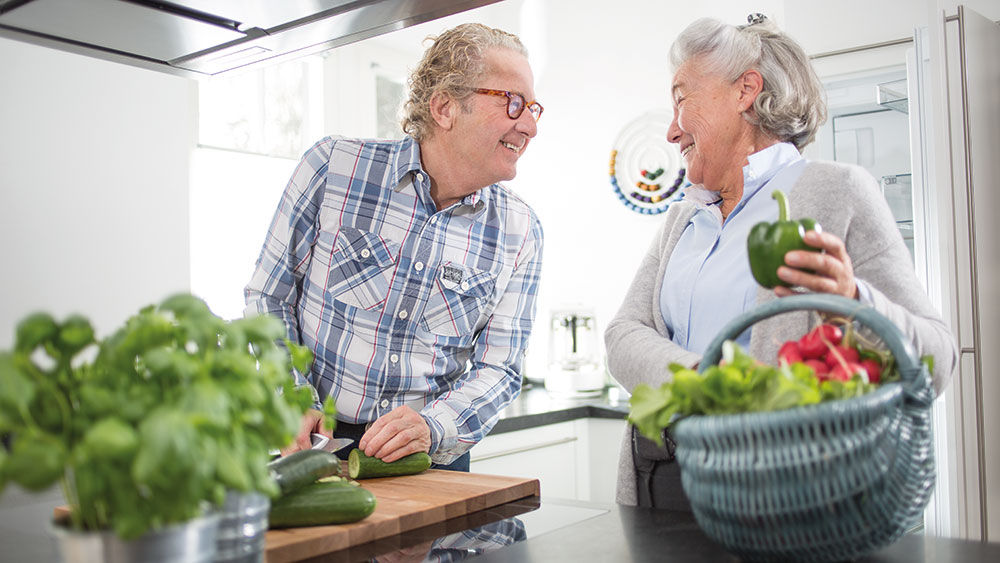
[(325, 443)]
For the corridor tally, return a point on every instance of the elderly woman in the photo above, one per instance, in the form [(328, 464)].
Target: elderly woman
[(746, 101)]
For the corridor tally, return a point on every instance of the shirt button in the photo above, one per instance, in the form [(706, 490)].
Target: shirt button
[(366, 253), (393, 358), (403, 314), (434, 220), (465, 286), (384, 403), (418, 266), (420, 177)]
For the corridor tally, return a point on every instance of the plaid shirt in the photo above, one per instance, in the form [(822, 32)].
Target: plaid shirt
[(399, 302)]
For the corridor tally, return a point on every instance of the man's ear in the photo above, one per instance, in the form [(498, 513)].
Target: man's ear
[(751, 84), (443, 110)]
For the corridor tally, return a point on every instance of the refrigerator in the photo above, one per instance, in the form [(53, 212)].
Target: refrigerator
[(928, 130), (957, 136)]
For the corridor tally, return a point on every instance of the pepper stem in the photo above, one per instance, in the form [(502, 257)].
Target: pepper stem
[(782, 204)]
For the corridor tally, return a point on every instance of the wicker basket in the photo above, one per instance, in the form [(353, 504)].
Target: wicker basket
[(827, 482)]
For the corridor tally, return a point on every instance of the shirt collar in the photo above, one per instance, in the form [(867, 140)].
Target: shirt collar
[(406, 160), (760, 168), (764, 164)]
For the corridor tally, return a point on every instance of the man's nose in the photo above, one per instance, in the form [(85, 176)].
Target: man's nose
[(526, 124)]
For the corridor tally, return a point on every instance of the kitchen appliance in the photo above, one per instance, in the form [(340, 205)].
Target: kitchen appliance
[(933, 142), (199, 38), (575, 366)]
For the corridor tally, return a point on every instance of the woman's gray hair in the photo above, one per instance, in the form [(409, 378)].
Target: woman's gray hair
[(792, 104), (452, 64)]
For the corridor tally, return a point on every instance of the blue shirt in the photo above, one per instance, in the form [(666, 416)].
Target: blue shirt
[(707, 281), (402, 303)]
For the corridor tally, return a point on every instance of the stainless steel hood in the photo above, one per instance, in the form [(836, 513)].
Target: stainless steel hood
[(209, 37)]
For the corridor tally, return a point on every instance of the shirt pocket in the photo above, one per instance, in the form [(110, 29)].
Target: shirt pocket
[(361, 267), (457, 299)]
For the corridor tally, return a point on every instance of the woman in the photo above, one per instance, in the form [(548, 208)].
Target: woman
[(746, 101)]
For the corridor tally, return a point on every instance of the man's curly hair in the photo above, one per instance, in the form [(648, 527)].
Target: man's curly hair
[(452, 64)]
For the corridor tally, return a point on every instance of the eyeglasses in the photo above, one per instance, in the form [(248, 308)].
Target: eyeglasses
[(515, 103)]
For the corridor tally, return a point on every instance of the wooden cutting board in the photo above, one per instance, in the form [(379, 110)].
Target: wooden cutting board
[(402, 504)]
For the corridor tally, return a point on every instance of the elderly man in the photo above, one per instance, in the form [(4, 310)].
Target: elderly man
[(406, 268)]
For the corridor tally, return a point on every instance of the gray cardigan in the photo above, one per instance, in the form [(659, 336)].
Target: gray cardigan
[(844, 200)]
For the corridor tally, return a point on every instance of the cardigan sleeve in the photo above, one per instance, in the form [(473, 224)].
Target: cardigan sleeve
[(639, 349)]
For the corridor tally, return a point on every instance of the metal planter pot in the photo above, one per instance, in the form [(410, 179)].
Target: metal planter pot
[(242, 528), (193, 541)]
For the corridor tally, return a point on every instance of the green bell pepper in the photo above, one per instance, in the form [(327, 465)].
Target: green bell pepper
[(768, 243)]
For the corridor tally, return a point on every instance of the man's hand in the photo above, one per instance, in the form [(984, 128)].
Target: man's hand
[(312, 422), (395, 435)]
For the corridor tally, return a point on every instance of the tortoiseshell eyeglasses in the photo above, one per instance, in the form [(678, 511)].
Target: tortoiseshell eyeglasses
[(515, 103)]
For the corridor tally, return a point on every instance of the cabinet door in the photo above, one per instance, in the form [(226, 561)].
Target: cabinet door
[(603, 446), (547, 453)]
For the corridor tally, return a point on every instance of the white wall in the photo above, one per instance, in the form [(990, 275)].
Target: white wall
[(93, 185)]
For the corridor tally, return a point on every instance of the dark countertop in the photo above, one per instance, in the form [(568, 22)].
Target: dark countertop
[(581, 531), (626, 533), (537, 407)]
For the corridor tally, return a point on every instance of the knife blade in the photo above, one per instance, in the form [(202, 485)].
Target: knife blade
[(332, 445)]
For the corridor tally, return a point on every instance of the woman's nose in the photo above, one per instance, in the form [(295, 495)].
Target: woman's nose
[(674, 131)]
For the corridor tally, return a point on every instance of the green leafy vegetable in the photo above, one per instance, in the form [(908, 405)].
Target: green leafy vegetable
[(148, 426), (740, 385)]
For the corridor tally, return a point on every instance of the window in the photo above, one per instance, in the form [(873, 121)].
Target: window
[(270, 111), (253, 128), (388, 102)]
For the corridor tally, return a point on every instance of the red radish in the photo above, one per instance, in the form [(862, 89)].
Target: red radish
[(844, 372), (874, 369), (821, 369), (789, 352), (839, 354), (814, 343)]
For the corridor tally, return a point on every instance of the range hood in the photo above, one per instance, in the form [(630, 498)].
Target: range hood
[(209, 37)]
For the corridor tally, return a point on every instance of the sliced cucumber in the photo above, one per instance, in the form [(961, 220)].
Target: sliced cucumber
[(301, 468)]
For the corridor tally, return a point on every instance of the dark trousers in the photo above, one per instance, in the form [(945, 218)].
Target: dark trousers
[(658, 475), (356, 431)]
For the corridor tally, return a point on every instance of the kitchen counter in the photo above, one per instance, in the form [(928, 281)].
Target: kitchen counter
[(537, 407), (534, 529)]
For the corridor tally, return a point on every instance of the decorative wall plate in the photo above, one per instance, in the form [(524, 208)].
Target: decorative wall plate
[(646, 169)]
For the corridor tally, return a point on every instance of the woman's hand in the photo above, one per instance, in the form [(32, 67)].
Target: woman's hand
[(832, 270)]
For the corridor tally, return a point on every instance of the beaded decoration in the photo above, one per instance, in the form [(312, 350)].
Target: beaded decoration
[(644, 168)]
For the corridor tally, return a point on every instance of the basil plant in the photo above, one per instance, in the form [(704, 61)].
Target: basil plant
[(154, 424)]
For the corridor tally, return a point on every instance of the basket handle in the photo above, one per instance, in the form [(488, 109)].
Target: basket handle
[(916, 379)]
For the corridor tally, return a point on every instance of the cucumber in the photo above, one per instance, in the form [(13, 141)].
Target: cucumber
[(303, 467), (360, 466), (319, 504)]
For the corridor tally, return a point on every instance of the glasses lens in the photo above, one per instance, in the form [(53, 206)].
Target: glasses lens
[(536, 110), (515, 105)]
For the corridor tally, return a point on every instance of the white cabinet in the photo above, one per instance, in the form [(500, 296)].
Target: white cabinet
[(575, 459), (604, 441)]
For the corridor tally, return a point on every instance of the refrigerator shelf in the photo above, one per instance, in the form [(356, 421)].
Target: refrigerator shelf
[(893, 95)]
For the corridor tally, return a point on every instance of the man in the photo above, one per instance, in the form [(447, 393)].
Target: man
[(406, 268)]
